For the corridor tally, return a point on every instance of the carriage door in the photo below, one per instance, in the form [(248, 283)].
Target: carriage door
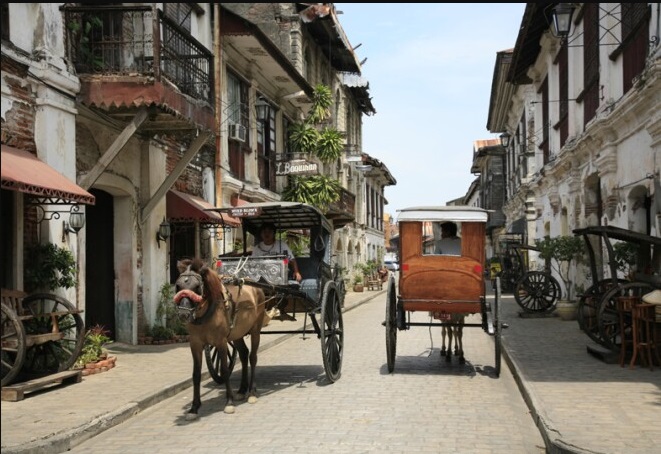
[(100, 270)]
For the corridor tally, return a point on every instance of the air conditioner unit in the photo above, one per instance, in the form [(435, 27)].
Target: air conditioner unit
[(237, 132)]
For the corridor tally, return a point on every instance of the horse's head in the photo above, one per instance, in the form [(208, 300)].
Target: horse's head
[(189, 288)]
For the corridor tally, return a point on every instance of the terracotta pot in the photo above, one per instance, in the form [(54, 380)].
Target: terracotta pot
[(566, 310)]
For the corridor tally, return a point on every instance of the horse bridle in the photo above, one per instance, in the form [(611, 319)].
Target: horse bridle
[(189, 312)]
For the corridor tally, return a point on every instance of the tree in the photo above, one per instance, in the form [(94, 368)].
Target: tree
[(562, 252), (312, 138)]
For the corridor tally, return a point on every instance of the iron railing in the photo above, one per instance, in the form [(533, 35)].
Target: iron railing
[(131, 41)]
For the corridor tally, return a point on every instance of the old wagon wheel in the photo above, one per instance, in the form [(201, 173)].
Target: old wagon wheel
[(588, 307), (608, 318), (537, 291), (55, 334), (391, 324), (213, 361), (13, 345), (331, 331)]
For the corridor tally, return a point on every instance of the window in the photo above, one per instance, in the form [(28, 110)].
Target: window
[(590, 95), (635, 40), (5, 20), (236, 113), (563, 105), (180, 13), (266, 151), (544, 146)]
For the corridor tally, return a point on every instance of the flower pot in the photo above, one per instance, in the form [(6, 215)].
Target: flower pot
[(566, 310), (358, 287)]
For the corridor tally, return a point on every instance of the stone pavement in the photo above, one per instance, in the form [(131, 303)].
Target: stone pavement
[(580, 403)]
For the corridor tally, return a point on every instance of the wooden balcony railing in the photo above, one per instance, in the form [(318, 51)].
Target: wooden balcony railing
[(343, 211)]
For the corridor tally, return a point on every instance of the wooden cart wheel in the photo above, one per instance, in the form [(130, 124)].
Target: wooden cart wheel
[(213, 361), (537, 291), (391, 324), (331, 331), (497, 327), (588, 308), (13, 345), (55, 334), (608, 318)]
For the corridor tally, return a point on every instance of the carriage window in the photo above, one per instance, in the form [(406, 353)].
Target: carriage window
[(441, 238)]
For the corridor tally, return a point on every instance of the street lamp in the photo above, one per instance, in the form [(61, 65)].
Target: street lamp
[(562, 15), (262, 109), (505, 139)]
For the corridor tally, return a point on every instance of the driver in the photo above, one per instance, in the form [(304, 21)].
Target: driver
[(269, 245)]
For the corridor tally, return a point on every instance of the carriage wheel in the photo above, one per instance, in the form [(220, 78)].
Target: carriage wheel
[(51, 315), (331, 332), (13, 345), (497, 327), (391, 324), (608, 318), (213, 361), (537, 291), (588, 308)]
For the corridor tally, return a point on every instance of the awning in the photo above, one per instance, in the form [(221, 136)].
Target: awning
[(24, 172), (182, 207)]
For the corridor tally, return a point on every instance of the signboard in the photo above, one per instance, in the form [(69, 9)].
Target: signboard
[(296, 167), (245, 212)]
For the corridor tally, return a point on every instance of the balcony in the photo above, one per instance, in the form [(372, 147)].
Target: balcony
[(134, 57), (343, 211)]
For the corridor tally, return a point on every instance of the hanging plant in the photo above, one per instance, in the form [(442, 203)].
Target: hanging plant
[(330, 145), (303, 138), (317, 190), (322, 99)]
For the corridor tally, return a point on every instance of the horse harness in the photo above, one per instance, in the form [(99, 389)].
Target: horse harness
[(230, 306)]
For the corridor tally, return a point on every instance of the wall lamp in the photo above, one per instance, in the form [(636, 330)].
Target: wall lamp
[(562, 15), (262, 109), (76, 222), (163, 232), (505, 139)]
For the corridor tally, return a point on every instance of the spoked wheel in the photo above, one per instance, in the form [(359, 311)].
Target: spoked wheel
[(13, 345), (212, 357), (391, 324), (588, 308), (537, 291), (497, 326), (331, 331), (55, 334), (608, 318)]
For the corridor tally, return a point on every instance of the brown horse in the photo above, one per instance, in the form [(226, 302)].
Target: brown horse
[(217, 315)]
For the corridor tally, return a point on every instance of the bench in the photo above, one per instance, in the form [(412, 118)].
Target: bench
[(373, 281)]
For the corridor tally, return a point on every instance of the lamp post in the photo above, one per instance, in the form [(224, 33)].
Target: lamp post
[(505, 139), (562, 15), (262, 109)]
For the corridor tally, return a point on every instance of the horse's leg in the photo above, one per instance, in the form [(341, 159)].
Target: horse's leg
[(448, 353), (225, 372), (196, 351), (443, 334), (254, 347), (242, 348), (460, 339)]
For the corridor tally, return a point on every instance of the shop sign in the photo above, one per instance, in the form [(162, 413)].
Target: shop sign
[(296, 167)]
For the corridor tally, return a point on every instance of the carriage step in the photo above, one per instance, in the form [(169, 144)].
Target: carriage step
[(16, 392)]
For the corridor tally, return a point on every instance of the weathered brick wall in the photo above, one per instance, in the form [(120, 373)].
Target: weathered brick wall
[(18, 121)]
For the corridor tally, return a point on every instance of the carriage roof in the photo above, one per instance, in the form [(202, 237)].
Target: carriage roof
[(617, 233), (285, 215), (455, 213)]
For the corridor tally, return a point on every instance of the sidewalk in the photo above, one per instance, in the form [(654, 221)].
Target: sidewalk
[(580, 404)]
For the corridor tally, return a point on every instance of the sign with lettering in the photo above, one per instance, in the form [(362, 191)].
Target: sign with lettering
[(296, 167), (245, 212)]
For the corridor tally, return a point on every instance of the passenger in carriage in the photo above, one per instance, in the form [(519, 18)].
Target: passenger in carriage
[(450, 243), (269, 245)]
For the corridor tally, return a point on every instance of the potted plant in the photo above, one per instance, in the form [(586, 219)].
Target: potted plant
[(51, 267), (358, 282), (94, 357), (563, 252)]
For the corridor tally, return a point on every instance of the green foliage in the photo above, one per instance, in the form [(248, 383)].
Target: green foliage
[(49, 267), (93, 348), (625, 256), (166, 312), (562, 251), (303, 138), (330, 145), (322, 100), (358, 278), (159, 332), (82, 33), (316, 190)]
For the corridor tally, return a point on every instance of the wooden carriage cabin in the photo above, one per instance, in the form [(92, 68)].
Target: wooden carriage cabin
[(439, 282)]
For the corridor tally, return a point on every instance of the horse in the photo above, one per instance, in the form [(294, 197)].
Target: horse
[(453, 331), (219, 314)]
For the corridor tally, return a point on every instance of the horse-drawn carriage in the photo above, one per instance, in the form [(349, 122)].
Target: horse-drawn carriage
[(42, 336), (271, 293), (447, 287), (599, 313)]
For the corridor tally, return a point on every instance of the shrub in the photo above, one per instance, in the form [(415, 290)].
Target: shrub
[(49, 267), (93, 348)]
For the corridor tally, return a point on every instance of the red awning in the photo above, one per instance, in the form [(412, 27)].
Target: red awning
[(24, 172), (182, 207)]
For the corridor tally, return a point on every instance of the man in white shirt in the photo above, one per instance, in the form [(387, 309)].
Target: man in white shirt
[(450, 243), (270, 246)]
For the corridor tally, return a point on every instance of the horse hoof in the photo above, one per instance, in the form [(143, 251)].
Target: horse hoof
[(239, 396), (191, 416), (252, 399), (229, 409)]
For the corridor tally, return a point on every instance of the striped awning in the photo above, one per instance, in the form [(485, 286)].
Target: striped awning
[(24, 172)]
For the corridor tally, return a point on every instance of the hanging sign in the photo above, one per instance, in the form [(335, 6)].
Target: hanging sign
[(296, 167)]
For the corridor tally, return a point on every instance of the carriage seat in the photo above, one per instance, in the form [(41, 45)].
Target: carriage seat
[(309, 269)]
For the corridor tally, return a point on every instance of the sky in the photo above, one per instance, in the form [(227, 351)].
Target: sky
[(430, 68)]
